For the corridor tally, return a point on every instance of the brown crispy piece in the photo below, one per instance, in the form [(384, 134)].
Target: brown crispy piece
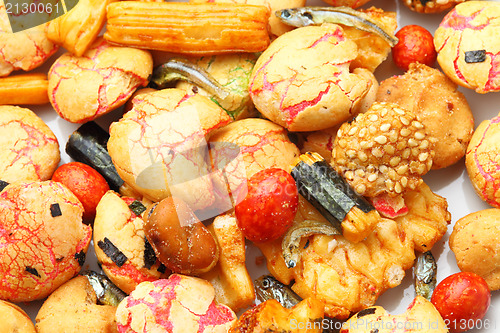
[(431, 6), (349, 277), (270, 316), (441, 108), (384, 150), (191, 28)]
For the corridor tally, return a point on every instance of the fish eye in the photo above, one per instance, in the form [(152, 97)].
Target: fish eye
[(286, 13), (266, 284), (308, 15)]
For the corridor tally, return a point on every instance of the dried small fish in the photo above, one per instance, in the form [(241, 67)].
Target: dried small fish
[(291, 240), (267, 287), (107, 293), (304, 16), (425, 274), (179, 69)]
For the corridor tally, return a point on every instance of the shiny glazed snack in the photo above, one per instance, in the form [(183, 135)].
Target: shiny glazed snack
[(161, 123), (483, 159), (467, 46), (475, 245), (431, 6), (73, 308), (177, 304), (120, 243), (45, 243), (14, 319), (24, 50), (415, 45), (105, 77), (302, 81), (30, 150), (440, 107)]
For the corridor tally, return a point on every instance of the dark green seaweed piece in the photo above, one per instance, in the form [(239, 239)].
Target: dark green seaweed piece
[(3, 184), (326, 190), (162, 269), (80, 257), (88, 144), (32, 270), (475, 56), (137, 207), (55, 210), (149, 254), (112, 252)]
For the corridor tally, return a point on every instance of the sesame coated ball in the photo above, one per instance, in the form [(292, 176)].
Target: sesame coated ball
[(385, 150)]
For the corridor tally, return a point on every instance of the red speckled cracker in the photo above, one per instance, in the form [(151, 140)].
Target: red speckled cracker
[(177, 304), (30, 150), (43, 241)]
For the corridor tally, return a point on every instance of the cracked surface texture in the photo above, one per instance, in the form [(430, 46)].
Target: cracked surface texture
[(471, 26), (23, 50), (105, 77), (302, 80), (483, 161), (30, 150), (177, 304), (39, 250)]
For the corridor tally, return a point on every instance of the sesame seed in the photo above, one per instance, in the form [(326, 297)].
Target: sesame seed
[(421, 169), (404, 181), (370, 168), (403, 169), (372, 129), (383, 168), (419, 135), (393, 137), (389, 184), (424, 144), (423, 156), (395, 161), (362, 132), (405, 132), (392, 174), (366, 144), (342, 143), (353, 130), (360, 173), (341, 161), (406, 153), (362, 156), (351, 165), (373, 117), (351, 153), (389, 149), (417, 124), (381, 139), (399, 111), (361, 188), (412, 142), (383, 113), (385, 127), (372, 177), (415, 152), (405, 121), (349, 175), (377, 152), (397, 188)]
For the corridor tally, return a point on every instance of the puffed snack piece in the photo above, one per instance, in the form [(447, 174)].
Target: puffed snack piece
[(177, 304), (104, 76), (120, 243), (74, 308), (160, 146), (440, 107), (431, 6), (385, 150), (14, 319), (482, 161), (30, 150), (44, 242), (24, 50), (467, 45), (302, 81), (474, 241)]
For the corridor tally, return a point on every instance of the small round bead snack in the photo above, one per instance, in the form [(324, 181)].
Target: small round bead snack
[(120, 243), (167, 130), (14, 319), (431, 6), (30, 150), (73, 307), (105, 77), (177, 304), (467, 45), (474, 241), (302, 81), (384, 150), (441, 108), (23, 50), (483, 161), (44, 241)]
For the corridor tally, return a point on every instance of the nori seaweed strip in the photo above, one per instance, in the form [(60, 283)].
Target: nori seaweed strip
[(32, 270), (112, 252), (162, 269), (55, 210), (80, 257), (366, 312), (88, 144), (3, 184), (149, 254), (475, 56), (137, 207), (326, 190)]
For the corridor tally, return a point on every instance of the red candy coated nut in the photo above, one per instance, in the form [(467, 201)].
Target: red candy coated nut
[(416, 44), (269, 207)]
